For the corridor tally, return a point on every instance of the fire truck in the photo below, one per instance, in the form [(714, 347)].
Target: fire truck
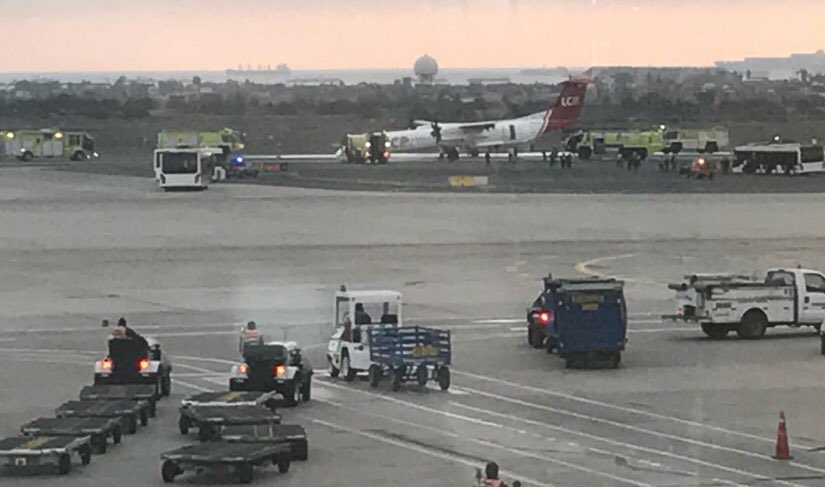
[(27, 145), (369, 148), (229, 142)]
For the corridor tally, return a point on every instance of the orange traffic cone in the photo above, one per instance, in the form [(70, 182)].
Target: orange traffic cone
[(783, 451)]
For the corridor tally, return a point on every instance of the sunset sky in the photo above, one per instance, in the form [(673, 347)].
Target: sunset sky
[(113, 35)]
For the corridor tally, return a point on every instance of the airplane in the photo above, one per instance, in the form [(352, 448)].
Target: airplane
[(486, 136)]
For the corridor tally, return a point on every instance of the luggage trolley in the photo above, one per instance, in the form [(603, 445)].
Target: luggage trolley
[(99, 430), (21, 452), (128, 412), (211, 419), (131, 392), (221, 454), (292, 434)]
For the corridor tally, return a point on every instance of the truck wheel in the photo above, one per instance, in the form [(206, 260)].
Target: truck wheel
[(534, 337), (422, 375), (444, 378), (206, 432), (78, 156), (396, 379), (347, 371), (715, 332), (64, 464), (333, 371), (375, 375), (27, 156), (245, 473), (753, 325), (183, 425), (306, 389), (166, 386), (169, 470), (585, 152)]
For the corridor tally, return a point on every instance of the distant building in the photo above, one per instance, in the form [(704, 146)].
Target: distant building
[(425, 69), (779, 67)]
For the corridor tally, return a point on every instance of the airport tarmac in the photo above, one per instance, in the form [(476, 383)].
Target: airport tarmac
[(187, 267)]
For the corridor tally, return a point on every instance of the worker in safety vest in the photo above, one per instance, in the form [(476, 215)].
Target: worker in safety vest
[(250, 336)]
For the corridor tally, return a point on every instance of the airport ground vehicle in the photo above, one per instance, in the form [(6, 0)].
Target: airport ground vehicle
[(27, 145), (186, 168), (229, 143), (224, 454), (98, 429), (584, 319), (127, 392), (702, 168), (369, 148), (275, 366), (407, 353), (722, 303), (127, 412), (129, 362), (789, 158), (706, 140), (23, 452), (210, 420), (292, 434), (628, 142)]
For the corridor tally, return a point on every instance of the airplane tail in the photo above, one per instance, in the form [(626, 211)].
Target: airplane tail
[(568, 106)]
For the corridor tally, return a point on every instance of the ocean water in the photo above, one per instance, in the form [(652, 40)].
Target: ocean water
[(349, 77)]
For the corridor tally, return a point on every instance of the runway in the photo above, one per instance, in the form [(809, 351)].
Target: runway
[(188, 267)]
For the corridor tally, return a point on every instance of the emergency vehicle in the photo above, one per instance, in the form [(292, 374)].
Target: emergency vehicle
[(722, 303), (228, 142), (707, 140), (369, 148), (627, 142), (26, 145)]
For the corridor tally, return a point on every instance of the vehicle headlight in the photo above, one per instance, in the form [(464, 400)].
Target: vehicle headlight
[(95, 154), (387, 144), (368, 144), (10, 135)]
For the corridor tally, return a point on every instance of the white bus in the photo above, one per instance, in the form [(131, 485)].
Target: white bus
[(779, 158), (185, 168)]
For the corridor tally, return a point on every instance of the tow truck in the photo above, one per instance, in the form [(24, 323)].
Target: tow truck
[(727, 302), (129, 363), (26, 145), (385, 347), (275, 366), (368, 148)]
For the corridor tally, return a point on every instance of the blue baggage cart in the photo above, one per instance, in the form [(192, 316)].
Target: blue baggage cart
[(410, 353)]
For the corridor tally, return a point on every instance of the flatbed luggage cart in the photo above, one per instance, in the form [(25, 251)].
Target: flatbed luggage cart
[(97, 429), (221, 454), (131, 392), (211, 419), (128, 412), (292, 434), (234, 398), (408, 353), (20, 452)]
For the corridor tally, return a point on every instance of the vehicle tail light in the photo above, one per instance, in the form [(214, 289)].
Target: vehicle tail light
[(386, 154), (106, 364), (143, 364), (545, 317), (280, 370), (243, 368)]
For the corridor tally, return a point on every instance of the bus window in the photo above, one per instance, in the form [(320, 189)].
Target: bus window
[(812, 153), (179, 162), (88, 143)]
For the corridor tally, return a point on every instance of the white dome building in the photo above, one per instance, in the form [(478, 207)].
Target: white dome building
[(425, 69)]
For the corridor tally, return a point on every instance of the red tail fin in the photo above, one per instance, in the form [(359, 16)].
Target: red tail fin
[(568, 106)]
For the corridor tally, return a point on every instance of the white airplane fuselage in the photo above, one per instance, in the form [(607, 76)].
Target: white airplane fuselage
[(497, 135)]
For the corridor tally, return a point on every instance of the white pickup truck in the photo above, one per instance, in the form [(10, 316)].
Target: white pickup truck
[(722, 303)]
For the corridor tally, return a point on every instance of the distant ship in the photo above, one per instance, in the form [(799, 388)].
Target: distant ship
[(545, 71), (260, 75)]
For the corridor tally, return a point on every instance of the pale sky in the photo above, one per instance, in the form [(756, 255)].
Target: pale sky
[(119, 35)]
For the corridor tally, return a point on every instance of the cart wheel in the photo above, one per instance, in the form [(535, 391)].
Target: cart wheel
[(617, 359), (131, 424), (421, 375), (245, 471), (100, 444), (444, 378), (144, 417), (375, 375), (205, 432), (117, 434), (153, 408), (300, 451), (169, 470), (282, 461), (183, 425), (306, 390), (395, 378), (85, 454), (64, 464)]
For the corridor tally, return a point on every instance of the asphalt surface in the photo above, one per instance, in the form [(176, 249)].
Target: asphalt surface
[(187, 267)]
